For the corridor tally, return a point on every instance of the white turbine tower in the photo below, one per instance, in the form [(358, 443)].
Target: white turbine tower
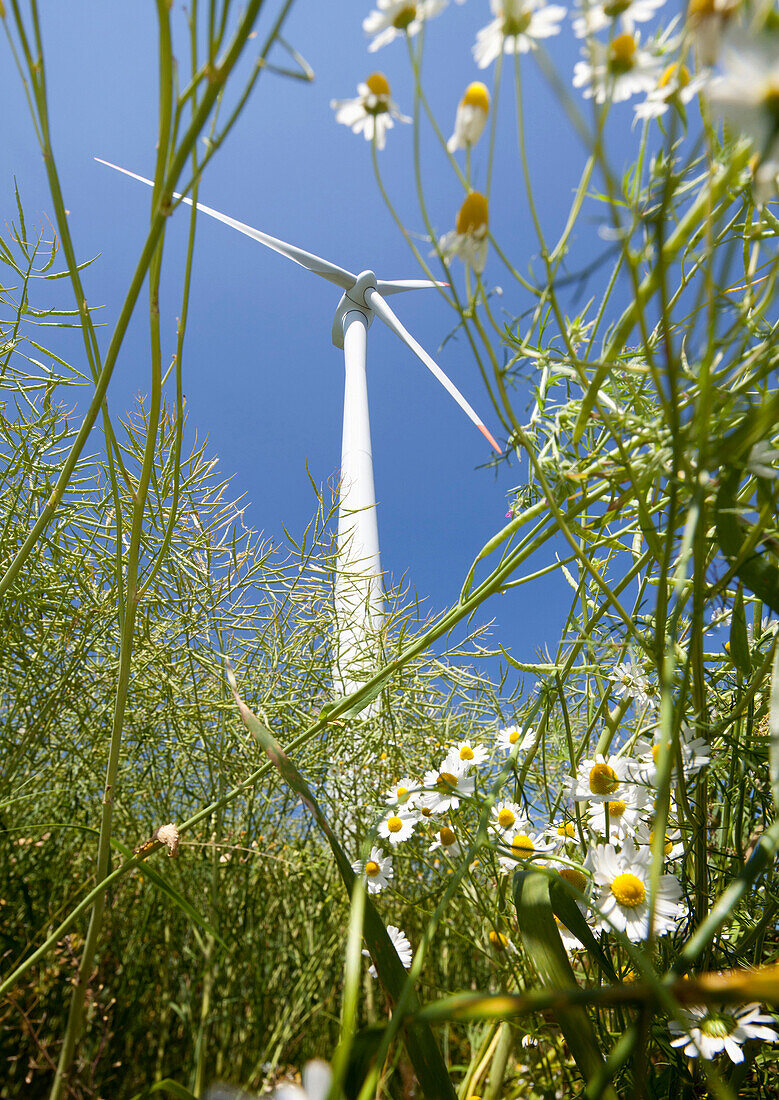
[(359, 594)]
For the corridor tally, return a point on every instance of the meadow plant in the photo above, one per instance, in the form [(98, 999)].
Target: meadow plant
[(565, 887)]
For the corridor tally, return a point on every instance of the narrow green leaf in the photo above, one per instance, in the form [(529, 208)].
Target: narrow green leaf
[(566, 910), (545, 949), (172, 1088), (739, 639), (426, 1058), (773, 727)]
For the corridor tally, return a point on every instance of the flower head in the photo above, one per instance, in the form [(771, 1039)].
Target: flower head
[(707, 1030), (469, 239), (508, 818), (675, 88), (471, 117), (445, 789), (515, 28), (746, 97), (396, 17), (372, 112), (464, 756), (601, 780), (317, 1077), (623, 902), (616, 70), (519, 844), (596, 17), (398, 825), (400, 942), (376, 869), (511, 735)]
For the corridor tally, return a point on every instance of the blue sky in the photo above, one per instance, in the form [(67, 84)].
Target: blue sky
[(262, 378)]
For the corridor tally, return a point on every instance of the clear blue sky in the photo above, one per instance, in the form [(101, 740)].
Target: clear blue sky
[(262, 379)]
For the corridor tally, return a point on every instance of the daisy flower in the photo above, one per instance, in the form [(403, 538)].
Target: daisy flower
[(601, 780), (377, 869), (696, 754), (401, 944), (445, 789), (707, 20), (500, 943), (509, 737), (395, 17), (616, 70), (471, 117), (674, 845), (372, 112), (745, 96), (595, 17), (624, 814), (515, 28), (707, 1031), (623, 902), (397, 826), (517, 845), (562, 834), (447, 841), (506, 817), (630, 683), (674, 88), (465, 756), (403, 793), (469, 239), (317, 1077)]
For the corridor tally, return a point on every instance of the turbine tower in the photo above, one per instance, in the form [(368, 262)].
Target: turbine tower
[(359, 590)]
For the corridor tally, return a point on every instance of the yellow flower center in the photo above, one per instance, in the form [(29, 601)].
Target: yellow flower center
[(771, 99), (394, 824), (668, 846), (628, 890), (566, 829), (466, 753), (472, 217), (522, 846), (406, 15), (516, 24), (426, 811), (378, 84), (615, 8), (709, 9), (676, 72), (514, 736), (447, 837), (372, 868), (574, 878), (506, 818), (476, 95), (402, 794), (622, 53), (498, 940), (616, 809), (446, 781), (603, 779)]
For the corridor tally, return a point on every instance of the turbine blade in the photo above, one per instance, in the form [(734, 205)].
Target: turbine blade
[(308, 260), (398, 285), (383, 311)]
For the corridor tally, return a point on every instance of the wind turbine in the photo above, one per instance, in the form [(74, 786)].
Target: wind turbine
[(359, 592)]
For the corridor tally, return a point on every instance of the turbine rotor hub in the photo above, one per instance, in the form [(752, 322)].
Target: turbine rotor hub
[(354, 300)]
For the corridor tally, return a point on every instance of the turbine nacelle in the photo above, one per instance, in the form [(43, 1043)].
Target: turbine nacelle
[(352, 299)]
